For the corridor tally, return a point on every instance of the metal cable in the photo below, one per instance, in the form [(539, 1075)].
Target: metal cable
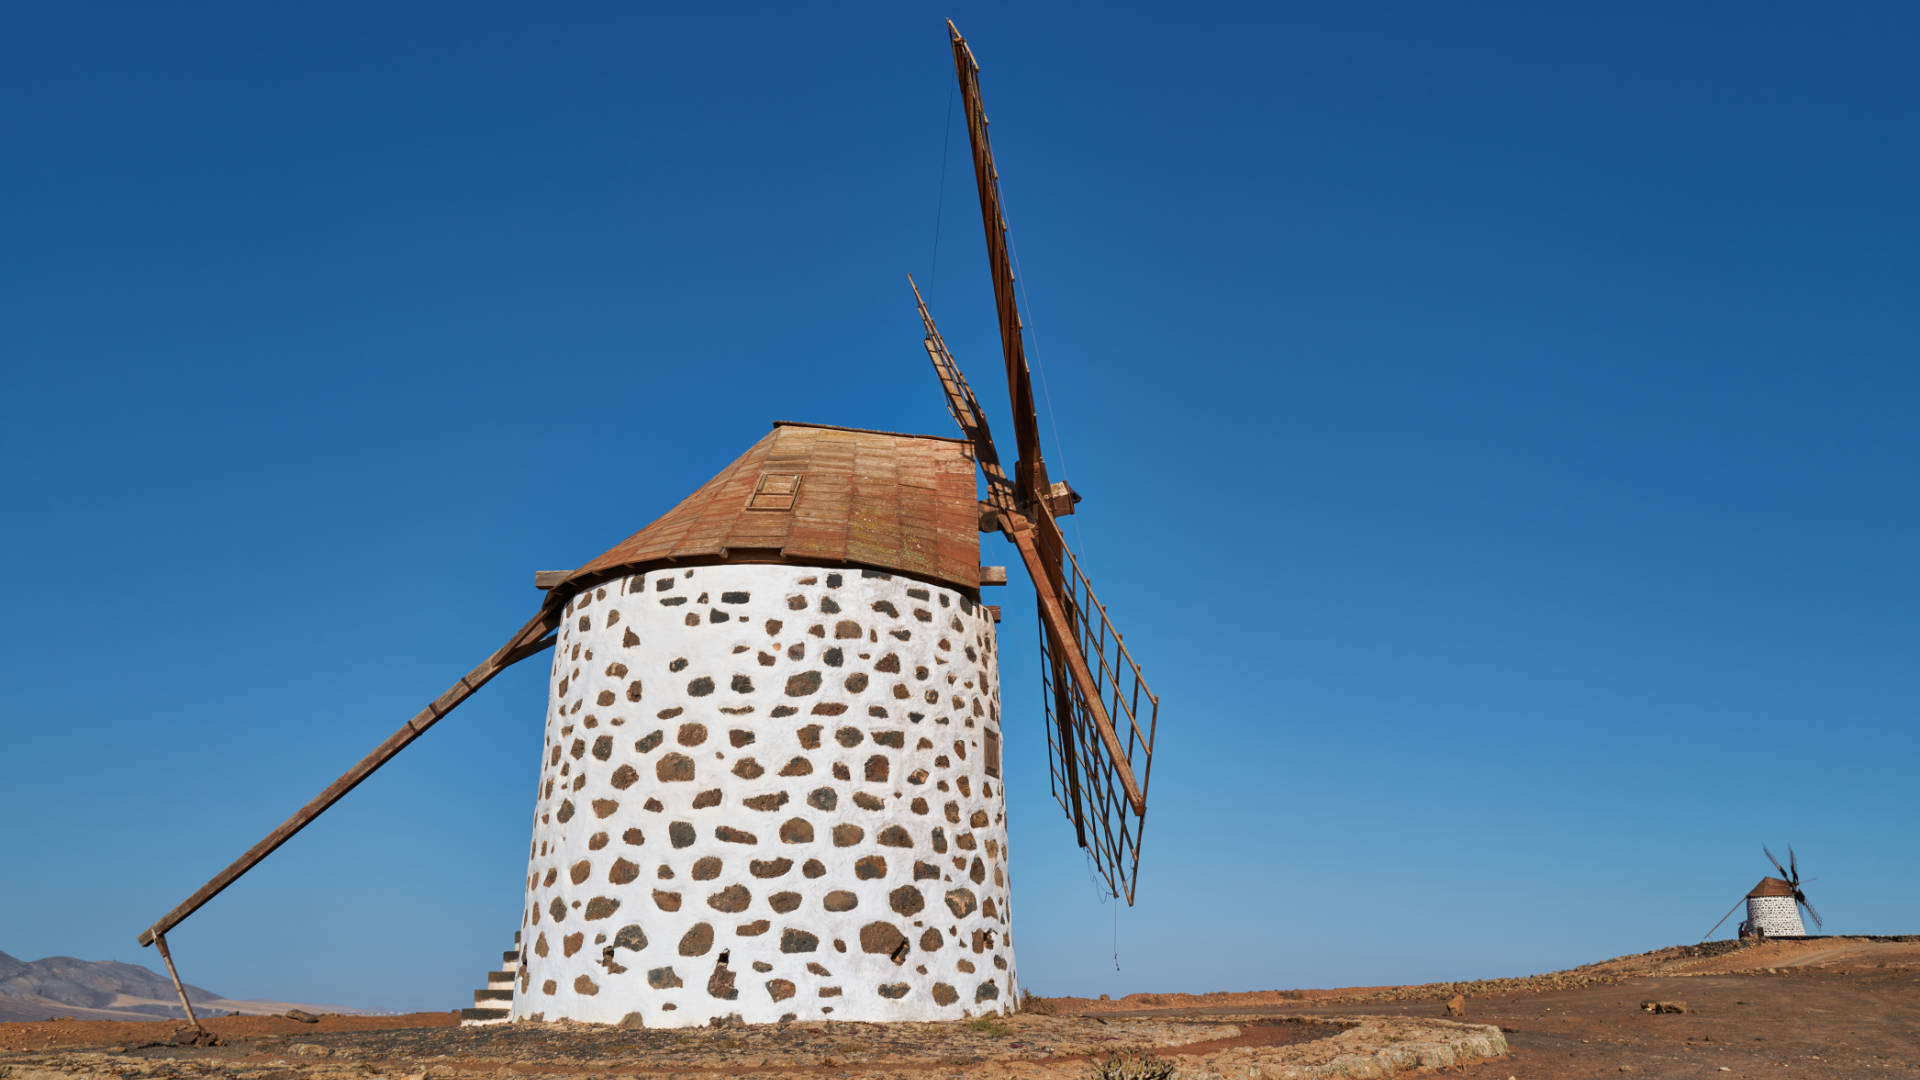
[(946, 144)]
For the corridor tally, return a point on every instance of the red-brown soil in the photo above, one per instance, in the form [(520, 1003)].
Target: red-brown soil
[(69, 1033), (1822, 1009), (1807, 1010)]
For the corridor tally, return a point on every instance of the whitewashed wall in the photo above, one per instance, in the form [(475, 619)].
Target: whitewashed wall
[(1779, 916), (765, 792)]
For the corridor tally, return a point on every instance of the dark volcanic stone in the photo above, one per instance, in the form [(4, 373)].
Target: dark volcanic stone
[(697, 941), (882, 938)]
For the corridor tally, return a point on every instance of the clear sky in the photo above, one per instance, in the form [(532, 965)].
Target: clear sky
[(1496, 423)]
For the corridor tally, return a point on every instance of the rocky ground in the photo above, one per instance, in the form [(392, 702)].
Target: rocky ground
[(1815, 1009)]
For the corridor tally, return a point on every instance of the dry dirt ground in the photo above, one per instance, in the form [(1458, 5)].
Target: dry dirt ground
[(1815, 1009)]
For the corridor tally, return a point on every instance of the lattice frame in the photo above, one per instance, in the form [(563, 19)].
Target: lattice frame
[(1112, 831)]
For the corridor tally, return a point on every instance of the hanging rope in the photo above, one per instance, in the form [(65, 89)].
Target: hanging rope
[(1060, 454), (1046, 394), (1104, 894), (946, 143)]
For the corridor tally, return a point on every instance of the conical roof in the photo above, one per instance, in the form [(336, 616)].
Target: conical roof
[(1771, 886), (818, 495)]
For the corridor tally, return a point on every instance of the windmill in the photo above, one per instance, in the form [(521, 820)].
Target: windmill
[(770, 786), (1773, 906)]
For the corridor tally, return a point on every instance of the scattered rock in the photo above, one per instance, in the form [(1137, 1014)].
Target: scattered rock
[(1457, 1005), (302, 1015)]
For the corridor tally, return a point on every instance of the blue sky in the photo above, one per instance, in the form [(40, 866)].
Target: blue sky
[(1495, 422)]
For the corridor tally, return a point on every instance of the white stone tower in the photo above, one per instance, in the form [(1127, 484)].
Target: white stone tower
[(1772, 910), (770, 784)]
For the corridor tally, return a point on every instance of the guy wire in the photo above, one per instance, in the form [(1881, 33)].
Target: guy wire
[(946, 143)]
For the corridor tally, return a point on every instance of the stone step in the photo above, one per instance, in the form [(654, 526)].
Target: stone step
[(475, 1016), (494, 1005)]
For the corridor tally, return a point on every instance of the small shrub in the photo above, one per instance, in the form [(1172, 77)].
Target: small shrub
[(1132, 1065), (991, 1026), (1039, 1006)]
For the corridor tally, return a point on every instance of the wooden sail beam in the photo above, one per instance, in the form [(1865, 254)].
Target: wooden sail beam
[(1067, 645), (966, 411), (530, 639), (1024, 510), (965, 407), (960, 400), (1030, 474)]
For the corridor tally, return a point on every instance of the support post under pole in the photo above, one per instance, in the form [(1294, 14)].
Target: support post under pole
[(160, 942)]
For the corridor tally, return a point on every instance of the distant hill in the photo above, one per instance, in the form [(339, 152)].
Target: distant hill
[(109, 990)]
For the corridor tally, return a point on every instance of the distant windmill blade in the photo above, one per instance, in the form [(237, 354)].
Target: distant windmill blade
[(1724, 918), (1776, 862), (1816, 915), (1793, 864)]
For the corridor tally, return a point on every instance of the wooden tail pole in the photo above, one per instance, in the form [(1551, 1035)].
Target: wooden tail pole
[(1724, 918), (528, 640), (160, 942)]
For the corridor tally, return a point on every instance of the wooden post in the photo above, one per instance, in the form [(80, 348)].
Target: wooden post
[(160, 942)]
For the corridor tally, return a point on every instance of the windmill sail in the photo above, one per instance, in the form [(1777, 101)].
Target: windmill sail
[(1090, 682), (965, 407), (1100, 714), (1088, 772)]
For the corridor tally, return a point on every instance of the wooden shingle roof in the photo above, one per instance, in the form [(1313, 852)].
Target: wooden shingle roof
[(822, 496)]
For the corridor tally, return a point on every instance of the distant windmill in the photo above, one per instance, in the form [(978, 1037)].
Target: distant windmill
[(1773, 906)]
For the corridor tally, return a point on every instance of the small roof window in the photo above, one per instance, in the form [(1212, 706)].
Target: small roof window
[(775, 491)]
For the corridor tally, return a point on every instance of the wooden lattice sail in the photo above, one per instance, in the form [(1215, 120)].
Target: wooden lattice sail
[(1101, 717), (1086, 772)]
